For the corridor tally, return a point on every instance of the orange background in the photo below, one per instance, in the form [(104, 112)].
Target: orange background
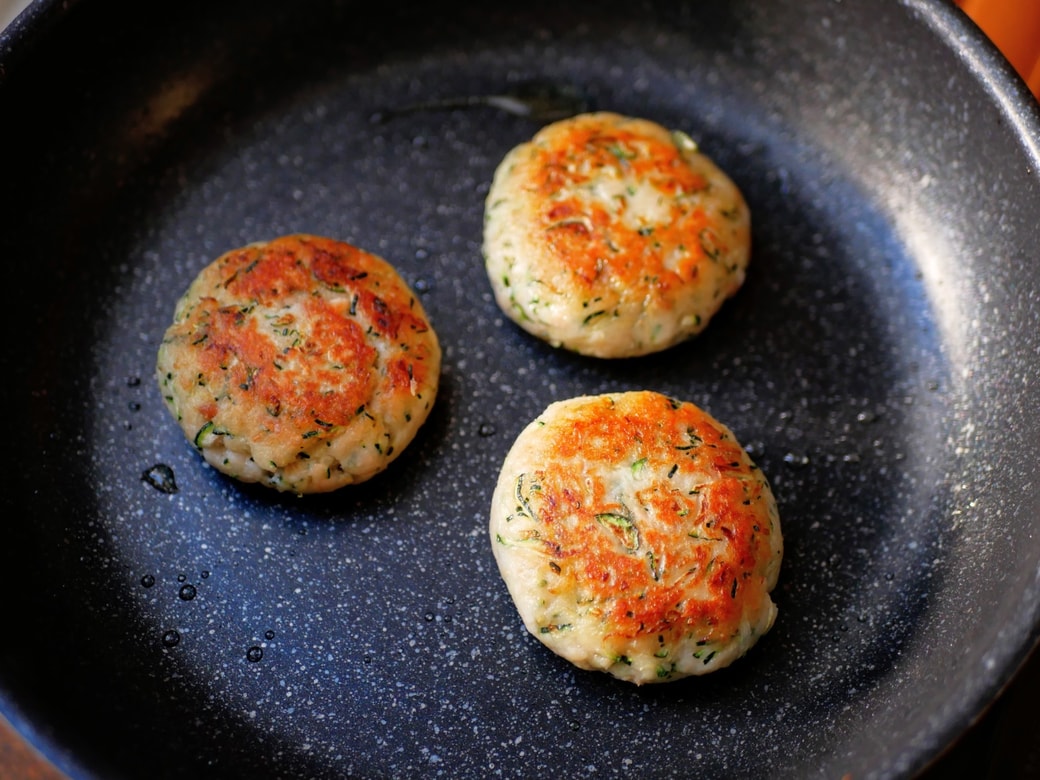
[(1014, 26)]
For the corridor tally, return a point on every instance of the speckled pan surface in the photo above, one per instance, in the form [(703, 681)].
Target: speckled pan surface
[(879, 363)]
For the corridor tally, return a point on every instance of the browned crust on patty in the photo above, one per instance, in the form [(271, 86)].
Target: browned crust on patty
[(611, 236), (296, 350), (637, 536)]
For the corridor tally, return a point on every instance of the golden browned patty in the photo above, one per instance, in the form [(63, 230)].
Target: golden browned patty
[(612, 236), (302, 363), (636, 537)]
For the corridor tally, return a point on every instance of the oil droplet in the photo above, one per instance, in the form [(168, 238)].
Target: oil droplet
[(486, 429), (160, 477), (188, 592), (755, 449), (134, 406), (797, 459), (171, 639), (269, 634), (428, 617), (182, 578), (204, 574), (133, 381), (148, 580), (254, 654)]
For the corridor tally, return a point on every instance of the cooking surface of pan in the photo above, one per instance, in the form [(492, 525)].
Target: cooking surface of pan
[(879, 364)]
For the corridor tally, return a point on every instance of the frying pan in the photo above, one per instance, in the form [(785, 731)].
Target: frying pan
[(880, 364)]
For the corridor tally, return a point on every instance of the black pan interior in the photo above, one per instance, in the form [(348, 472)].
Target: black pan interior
[(878, 364)]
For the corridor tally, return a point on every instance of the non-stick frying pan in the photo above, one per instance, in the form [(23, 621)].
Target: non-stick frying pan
[(880, 363)]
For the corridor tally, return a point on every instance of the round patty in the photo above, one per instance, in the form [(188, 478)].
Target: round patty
[(612, 236), (302, 363), (636, 537)]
